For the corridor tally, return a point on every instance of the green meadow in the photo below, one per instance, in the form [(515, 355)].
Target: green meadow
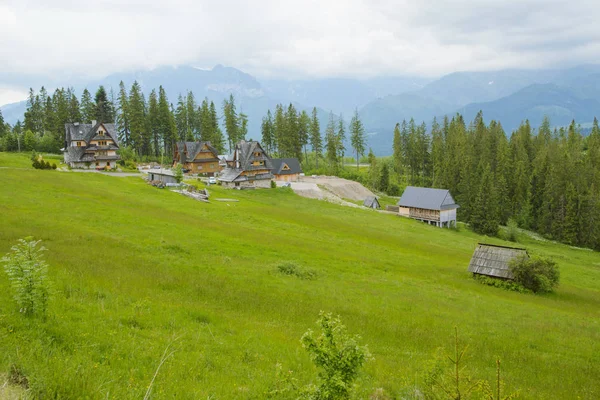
[(139, 272)]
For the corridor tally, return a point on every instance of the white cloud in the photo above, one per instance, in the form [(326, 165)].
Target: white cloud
[(300, 38)]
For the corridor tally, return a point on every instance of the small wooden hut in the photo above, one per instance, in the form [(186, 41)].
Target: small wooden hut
[(371, 202), (492, 260)]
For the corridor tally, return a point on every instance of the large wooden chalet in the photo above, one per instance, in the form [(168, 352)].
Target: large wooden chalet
[(91, 145), (249, 166), (434, 206), (197, 157)]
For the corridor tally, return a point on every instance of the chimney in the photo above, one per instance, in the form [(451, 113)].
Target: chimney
[(93, 122)]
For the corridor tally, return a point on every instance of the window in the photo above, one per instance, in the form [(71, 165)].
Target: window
[(212, 166), (97, 164), (78, 144), (200, 167), (108, 163)]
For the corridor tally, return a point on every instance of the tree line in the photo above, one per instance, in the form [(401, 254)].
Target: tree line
[(148, 127), (547, 180), (287, 133)]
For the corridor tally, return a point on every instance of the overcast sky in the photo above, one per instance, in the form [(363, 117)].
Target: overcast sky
[(295, 39)]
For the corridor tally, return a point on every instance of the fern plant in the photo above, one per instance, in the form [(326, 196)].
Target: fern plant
[(28, 275)]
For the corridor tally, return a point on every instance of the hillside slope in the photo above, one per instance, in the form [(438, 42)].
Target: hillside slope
[(137, 269)]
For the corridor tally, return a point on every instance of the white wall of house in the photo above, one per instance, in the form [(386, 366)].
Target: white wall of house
[(404, 211)]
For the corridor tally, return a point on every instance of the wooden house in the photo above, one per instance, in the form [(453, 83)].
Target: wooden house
[(197, 157), (434, 206), (92, 145), (249, 167), (286, 169), (371, 202), (492, 260)]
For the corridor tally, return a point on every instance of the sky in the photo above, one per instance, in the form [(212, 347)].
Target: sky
[(84, 39)]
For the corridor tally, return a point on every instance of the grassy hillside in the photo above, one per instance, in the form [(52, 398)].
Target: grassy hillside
[(136, 269)]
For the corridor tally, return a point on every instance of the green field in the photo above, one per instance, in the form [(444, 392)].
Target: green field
[(136, 269)]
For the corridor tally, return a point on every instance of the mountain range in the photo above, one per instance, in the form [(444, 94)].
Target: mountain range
[(509, 96)]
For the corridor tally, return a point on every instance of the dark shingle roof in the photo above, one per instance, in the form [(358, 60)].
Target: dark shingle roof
[(87, 133), (292, 163), (427, 198), (492, 260), (245, 150), (229, 174), (193, 149)]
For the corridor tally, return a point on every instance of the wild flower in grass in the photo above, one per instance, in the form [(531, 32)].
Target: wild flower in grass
[(28, 275)]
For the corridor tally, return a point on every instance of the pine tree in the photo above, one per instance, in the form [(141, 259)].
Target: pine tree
[(384, 178), (398, 151), (74, 108), (88, 107), (358, 138), (332, 143), (206, 127), (279, 130), (231, 121), (242, 126), (166, 122), (341, 133), (192, 117), (267, 132), (316, 141), (181, 120), (485, 215), (152, 122), (123, 124), (218, 140), (137, 115), (104, 108), (437, 153), (304, 131)]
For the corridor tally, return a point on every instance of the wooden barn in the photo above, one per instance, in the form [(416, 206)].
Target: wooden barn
[(286, 169), (492, 260), (197, 157), (250, 167), (434, 206), (371, 202)]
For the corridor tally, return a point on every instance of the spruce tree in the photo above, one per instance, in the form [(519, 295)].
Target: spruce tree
[(485, 215), (341, 133), (304, 131), (104, 109), (137, 114), (231, 121), (398, 150), (316, 141), (123, 124), (88, 108), (152, 122), (267, 132), (358, 138), (332, 144)]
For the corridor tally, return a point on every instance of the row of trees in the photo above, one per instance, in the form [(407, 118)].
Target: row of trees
[(148, 127), (287, 133), (547, 181)]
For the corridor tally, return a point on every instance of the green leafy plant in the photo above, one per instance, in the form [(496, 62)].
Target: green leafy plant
[(540, 275), (178, 173), (502, 284), (338, 355), (273, 185), (512, 230), (28, 275), (294, 270), (453, 382)]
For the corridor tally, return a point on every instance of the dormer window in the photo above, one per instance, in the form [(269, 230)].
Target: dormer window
[(78, 144), (101, 132)]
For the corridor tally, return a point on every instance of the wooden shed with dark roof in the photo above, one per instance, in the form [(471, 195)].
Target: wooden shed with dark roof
[(434, 206), (493, 260)]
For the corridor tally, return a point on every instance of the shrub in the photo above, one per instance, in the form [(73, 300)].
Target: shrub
[(339, 356), (502, 284), (178, 173), (273, 185), (53, 165), (540, 275), (393, 190), (28, 275), (512, 229), (294, 270)]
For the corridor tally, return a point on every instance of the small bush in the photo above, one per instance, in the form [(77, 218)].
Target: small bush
[(502, 284), (273, 185), (53, 165), (28, 275), (540, 275), (178, 173), (339, 356), (294, 270), (512, 230)]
